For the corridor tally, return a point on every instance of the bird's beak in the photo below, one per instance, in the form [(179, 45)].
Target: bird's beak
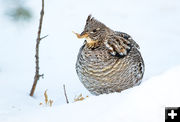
[(90, 43), (82, 35)]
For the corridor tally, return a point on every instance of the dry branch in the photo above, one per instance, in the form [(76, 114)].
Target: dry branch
[(37, 75), (67, 101)]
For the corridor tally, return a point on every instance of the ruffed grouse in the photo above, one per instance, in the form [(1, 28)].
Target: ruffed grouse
[(109, 61)]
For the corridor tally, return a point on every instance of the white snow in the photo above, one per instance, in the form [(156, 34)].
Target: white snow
[(146, 102), (153, 24)]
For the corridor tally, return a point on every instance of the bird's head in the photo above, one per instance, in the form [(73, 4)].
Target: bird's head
[(94, 32)]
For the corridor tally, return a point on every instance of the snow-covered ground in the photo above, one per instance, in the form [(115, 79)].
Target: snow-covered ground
[(143, 103), (154, 24)]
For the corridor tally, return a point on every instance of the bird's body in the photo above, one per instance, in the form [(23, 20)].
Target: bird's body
[(111, 64)]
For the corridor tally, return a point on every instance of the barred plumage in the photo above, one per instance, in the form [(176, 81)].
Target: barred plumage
[(109, 61)]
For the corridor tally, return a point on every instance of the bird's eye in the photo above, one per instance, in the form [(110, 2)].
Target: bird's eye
[(94, 30)]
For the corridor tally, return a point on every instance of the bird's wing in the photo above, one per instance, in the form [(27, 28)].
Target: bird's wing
[(127, 37), (119, 44)]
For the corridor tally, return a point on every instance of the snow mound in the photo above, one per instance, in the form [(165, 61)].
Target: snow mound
[(144, 103)]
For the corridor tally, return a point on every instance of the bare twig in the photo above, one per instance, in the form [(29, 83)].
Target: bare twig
[(43, 37), (37, 75), (67, 101)]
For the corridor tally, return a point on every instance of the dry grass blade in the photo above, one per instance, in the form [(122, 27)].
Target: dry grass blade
[(79, 98), (50, 103), (46, 96)]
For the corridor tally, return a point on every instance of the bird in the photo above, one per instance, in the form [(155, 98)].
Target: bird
[(108, 61)]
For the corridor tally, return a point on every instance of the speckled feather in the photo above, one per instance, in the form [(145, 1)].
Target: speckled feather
[(105, 70)]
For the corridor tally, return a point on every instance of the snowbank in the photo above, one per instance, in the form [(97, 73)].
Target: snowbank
[(144, 103)]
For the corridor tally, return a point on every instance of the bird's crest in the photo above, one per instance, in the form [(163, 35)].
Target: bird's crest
[(89, 18)]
